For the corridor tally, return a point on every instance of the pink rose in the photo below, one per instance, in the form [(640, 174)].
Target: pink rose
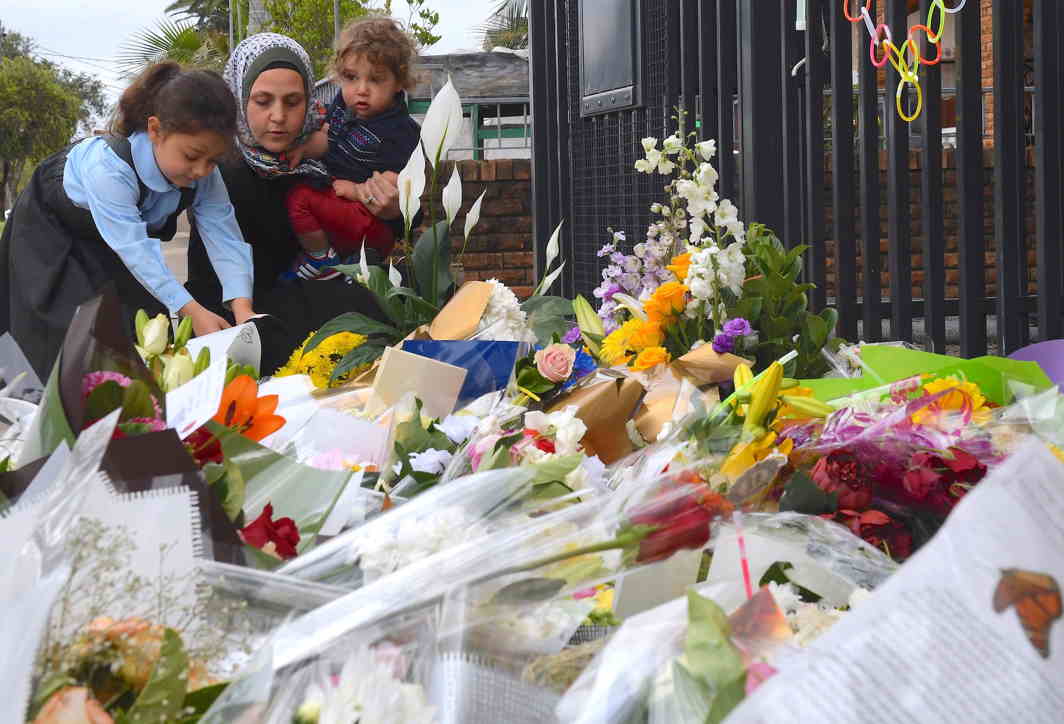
[(555, 362), (73, 705)]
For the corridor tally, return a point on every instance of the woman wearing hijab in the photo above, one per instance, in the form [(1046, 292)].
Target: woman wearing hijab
[(279, 133)]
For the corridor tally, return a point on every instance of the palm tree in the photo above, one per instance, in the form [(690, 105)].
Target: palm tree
[(507, 26), (210, 15), (177, 40)]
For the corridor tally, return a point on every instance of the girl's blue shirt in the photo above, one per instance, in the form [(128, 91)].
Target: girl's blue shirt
[(95, 178)]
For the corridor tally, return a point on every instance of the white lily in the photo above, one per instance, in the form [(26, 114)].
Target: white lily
[(631, 304), (452, 196), (177, 370), (442, 124), (552, 254), (394, 276), (156, 335), (411, 186), (473, 215)]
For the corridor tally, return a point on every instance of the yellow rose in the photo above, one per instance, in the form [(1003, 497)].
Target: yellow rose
[(644, 336), (666, 302), (680, 266), (651, 357)]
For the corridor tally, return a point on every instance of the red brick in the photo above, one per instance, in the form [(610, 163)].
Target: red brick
[(504, 169), (487, 171), (503, 207), (521, 259), (522, 169)]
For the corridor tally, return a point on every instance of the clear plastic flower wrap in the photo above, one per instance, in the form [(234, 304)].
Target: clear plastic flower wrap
[(473, 507), (380, 674), (34, 563), (650, 670)]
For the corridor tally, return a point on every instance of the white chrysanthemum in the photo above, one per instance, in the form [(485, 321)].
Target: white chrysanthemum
[(413, 540), (369, 693), (431, 461), (458, 428), (786, 596), (504, 317)]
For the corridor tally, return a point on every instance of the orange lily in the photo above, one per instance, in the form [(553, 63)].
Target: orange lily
[(244, 411)]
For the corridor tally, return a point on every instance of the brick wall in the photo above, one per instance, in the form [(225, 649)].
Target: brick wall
[(951, 210), (987, 21), (500, 246)]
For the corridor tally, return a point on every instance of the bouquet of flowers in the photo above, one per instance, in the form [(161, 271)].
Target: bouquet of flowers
[(170, 362), (702, 280)]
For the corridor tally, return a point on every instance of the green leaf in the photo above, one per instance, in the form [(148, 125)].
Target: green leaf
[(559, 306), (815, 330), (710, 654), (555, 468), (749, 308), (422, 311), (380, 286), (352, 322), (802, 495), (728, 696), (546, 491), (200, 700), (231, 490), (136, 401), (528, 590), (432, 259), (163, 696), (777, 327), (693, 697), (104, 399), (361, 355), (49, 685), (831, 319)]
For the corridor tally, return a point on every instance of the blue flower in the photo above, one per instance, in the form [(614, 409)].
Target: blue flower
[(583, 365)]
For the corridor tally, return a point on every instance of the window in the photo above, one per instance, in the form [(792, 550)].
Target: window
[(609, 55)]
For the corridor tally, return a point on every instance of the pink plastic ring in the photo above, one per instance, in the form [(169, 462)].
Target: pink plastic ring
[(875, 41)]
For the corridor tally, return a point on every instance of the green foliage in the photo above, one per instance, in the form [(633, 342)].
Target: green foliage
[(310, 23), (177, 40), (712, 660), (420, 23), (432, 259), (209, 15), (507, 27), (776, 304), (163, 696)]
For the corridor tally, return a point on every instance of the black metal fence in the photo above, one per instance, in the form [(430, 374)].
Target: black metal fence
[(818, 165)]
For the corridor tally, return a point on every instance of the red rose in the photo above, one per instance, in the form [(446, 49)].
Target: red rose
[(204, 447), (921, 482), (545, 444), (679, 522), (881, 531), (842, 474), (275, 537), (966, 467)]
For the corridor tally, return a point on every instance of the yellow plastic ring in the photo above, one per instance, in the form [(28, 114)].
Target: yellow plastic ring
[(897, 55), (931, 36), (915, 83)]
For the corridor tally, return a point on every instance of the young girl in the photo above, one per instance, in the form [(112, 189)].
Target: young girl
[(370, 135), (95, 213)]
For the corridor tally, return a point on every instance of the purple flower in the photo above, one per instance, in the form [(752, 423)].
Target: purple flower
[(572, 336), (737, 327), (606, 250), (617, 258), (723, 344)]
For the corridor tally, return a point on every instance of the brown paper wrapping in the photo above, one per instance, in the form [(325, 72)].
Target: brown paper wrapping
[(367, 377), (605, 407), (459, 317), (704, 366), (653, 415)]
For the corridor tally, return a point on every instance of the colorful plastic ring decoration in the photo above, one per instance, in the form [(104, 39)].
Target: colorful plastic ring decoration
[(846, 10)]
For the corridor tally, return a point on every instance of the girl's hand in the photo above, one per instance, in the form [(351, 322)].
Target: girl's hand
[(204, 321), (242, 310)]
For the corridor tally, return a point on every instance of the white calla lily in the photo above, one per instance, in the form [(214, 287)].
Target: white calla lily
[(452, 196), (411, 186), (363, 266), (473, 215), (442, 124), (394, 276), (552, 246)]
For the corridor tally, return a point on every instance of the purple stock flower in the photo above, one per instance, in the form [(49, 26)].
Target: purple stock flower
[(606, 250), (737, 327), (723, 344), (572, 336)]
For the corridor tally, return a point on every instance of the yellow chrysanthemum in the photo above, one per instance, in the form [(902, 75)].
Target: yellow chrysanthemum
[(680, 266), (960, 396), (615, 347), (747, 454), (666, 302), (650, 357), (319, 363)]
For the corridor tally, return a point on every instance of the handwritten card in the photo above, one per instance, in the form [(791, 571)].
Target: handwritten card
[(240, 344), (193, 403)]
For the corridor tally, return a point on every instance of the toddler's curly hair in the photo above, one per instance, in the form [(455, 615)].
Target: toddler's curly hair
[(383, 42)]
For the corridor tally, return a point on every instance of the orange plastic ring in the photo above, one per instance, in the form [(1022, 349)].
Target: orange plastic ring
[(919, 55), (846, 10)]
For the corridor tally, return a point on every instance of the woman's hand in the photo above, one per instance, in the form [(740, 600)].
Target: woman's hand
[(381, 195), (242, 310), (204, 321), (315, 146)]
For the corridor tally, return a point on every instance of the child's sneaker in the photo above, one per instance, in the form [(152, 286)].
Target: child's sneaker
[(312, 268)]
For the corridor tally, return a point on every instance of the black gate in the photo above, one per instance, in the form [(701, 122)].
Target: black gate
[(960, 250)]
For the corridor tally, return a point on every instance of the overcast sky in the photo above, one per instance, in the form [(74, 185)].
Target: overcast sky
[(93, 31)]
